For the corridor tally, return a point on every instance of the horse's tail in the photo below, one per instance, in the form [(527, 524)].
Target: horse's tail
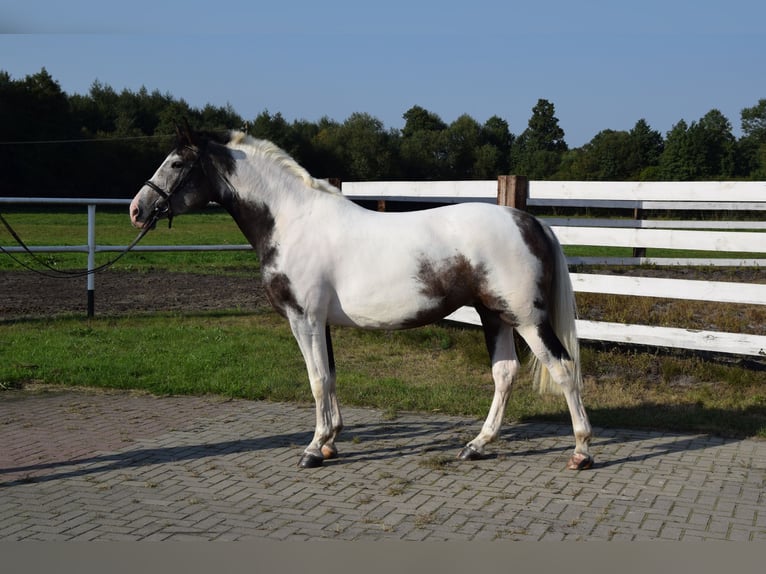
[(563, 313)]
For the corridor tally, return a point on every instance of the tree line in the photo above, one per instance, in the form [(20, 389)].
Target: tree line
[(105, 143)]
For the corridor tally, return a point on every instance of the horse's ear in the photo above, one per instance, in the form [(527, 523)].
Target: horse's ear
[(185, 134), (189, 133)]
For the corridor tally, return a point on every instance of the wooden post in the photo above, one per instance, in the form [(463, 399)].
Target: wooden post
[(512, 191)]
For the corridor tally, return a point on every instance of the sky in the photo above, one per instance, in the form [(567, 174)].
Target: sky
[(604, 64)]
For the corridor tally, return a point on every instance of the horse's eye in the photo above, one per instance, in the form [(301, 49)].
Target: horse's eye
[(177, 164)]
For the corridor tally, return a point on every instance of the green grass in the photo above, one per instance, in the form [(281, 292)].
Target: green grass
[(166, 354), (626, 252), (433, 369)]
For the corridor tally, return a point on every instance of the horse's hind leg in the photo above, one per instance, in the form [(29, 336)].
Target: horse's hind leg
[(505, 364), (551, 353)]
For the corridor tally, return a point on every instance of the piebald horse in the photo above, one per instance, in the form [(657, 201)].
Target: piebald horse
[(327, 261)]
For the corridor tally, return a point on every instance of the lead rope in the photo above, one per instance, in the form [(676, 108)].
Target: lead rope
[(59, 273)]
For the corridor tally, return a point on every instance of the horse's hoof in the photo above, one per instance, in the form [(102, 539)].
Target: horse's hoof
[(329, 452), (469, 453), (580, 461), (310, 461)]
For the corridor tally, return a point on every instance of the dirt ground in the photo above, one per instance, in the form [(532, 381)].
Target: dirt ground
[(25, 294)]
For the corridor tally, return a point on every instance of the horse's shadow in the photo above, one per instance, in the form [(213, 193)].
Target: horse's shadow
[(392, 439), (101, 463)]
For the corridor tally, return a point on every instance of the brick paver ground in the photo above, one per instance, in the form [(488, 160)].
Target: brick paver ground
[(79, 465)]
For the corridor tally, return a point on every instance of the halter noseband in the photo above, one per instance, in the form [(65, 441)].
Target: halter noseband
[(161, 207)]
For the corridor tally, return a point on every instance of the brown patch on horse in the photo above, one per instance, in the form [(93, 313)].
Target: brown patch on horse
[(492, 323), (280, 294), (257, 224), (452, 283), (539, 245)]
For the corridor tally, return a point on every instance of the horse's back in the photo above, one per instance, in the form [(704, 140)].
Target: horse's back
[(410, 268)]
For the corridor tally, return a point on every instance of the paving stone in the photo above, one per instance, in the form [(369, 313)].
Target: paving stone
[(110, 466)]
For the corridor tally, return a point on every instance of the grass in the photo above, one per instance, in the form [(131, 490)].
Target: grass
[(433, 369), (166, 354), (438, 369), (627, 252)]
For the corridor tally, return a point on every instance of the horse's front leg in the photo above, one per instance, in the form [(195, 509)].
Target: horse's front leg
[(316, 347)]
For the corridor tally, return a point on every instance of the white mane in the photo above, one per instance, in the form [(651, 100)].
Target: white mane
[(282, 159)]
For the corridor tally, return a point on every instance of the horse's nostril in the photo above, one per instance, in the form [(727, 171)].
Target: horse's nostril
[(135, 214)]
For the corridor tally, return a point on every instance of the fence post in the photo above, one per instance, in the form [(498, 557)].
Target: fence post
[(91, 258), (512, 191), (638, 214)]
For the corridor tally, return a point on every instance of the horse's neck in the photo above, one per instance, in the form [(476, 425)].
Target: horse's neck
[(258, 198)]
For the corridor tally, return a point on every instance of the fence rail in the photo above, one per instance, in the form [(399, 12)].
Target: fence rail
[(742, 237)]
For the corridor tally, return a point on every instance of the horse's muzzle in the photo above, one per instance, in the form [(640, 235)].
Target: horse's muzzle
[(141, 218)]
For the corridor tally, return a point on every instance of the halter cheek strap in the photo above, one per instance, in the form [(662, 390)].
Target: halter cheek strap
[(161, 207)]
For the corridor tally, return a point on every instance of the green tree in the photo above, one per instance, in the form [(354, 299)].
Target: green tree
[(419, 119), (300, 144), (219, 118), (538, 151), (717, 145), (273, 128), (98, 111), (751, 148), (327, 151), (489, 162), (604, 158), (754, 121), (679, 159), (496, 134), (462, 141), (173, 115), (364, 147), (34, 109), (700, 151), (646, 149), (423, 147)]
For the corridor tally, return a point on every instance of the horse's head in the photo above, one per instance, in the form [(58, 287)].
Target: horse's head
[(180, 184)]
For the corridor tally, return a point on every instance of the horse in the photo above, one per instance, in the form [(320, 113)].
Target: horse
[(328, 261)]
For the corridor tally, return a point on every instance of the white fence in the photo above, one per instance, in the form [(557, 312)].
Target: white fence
[(741, 237)]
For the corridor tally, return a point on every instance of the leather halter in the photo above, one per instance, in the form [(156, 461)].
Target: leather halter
[(161, 207)]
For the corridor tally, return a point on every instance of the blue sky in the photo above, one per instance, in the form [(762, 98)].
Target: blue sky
[(603, 64)]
